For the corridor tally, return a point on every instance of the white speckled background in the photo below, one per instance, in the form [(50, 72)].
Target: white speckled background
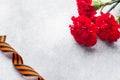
[(38, 30)]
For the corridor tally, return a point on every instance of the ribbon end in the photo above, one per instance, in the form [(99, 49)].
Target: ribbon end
[(2, 38)]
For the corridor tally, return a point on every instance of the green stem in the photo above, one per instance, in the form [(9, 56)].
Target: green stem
[(111, 2), (114, 5), (108, 3)]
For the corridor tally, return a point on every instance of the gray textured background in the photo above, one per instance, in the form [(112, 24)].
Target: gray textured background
[(38, 30)]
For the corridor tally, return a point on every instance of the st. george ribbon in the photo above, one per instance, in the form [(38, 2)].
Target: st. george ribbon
[(17, 60)]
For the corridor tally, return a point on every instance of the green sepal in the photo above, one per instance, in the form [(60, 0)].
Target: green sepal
[(118, 19), (97, 4)]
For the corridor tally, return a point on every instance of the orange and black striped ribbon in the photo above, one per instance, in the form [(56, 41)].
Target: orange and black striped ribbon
[(17, 60)]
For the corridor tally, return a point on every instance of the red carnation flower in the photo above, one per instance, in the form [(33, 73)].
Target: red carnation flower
[(85, 8), (108, 27), (83, 31), (84, 1)]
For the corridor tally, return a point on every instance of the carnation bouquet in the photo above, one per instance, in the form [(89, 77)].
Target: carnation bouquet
[(92, 22)]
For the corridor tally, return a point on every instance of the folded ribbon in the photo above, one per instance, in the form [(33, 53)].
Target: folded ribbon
[(17, 60)]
